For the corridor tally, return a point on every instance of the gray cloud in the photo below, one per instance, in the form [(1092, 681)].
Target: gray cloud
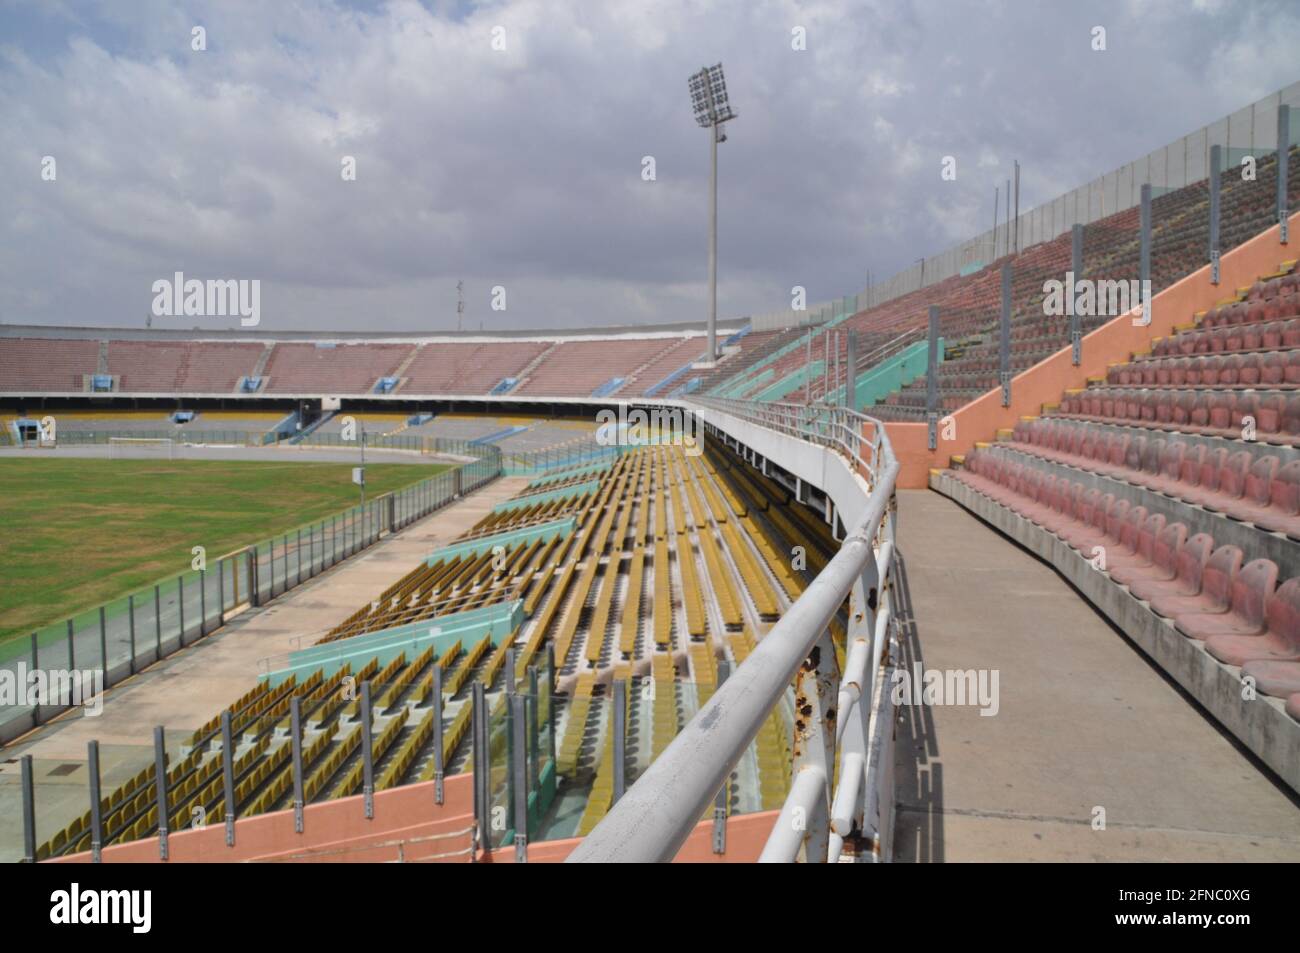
[(522, 168)]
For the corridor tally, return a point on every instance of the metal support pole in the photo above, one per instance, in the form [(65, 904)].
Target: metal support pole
[(297, 553), (221, 592), (295, 719), (160, 788), (180, 605), (713, 244), (1216, 171), (518, 774), (270, 568), (1283, 155), (1015, 218), (932, 379), (1004, 337), (721, 804), (203, 602), (228, 776), (438, 766), (620, 737), (130, 619), (367, 752), (29, 811), (157, 625), (814, 742), (482, 793), (1146, 253), (96, 803), (1076, 273), (103, 643), (851, 369), (509, 679)]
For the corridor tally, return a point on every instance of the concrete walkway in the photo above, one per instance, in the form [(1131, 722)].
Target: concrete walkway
[(1084, 722), (184, 691)]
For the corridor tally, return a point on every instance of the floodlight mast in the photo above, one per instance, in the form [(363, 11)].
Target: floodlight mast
[(709, 100)]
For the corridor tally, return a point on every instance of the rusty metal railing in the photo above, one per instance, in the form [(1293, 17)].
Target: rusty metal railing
[(825, 816)]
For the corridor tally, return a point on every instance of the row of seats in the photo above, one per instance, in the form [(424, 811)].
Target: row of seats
[(1257, 488), (1273, 416), (1212, 595), (1272, 369)]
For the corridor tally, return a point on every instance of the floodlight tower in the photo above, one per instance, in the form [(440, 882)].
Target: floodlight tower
[(709, 100)]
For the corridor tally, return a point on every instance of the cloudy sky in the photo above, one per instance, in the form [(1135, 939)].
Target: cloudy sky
[(522, 167)]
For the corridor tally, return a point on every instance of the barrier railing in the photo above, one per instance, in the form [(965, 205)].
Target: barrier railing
[(825, 815), (102, 646)]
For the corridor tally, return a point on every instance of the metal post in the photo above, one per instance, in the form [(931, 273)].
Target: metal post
[(518, 775), (270, 568), (1146, 253), (228, 776), (96, 805), (814, 743), (1216, 170), (1015, 218), (721, 804), (1006, 238), (103, 644), (1076, 273), (180, 605), (1283, 154), (482, 794), (160, 786), (932, 380), (535, 775), (1004, 337), (367, 752), (851, 371), (295, 719), (221, 592), (130, 618), (203, 602), (297, 576), (29, 811), (713, 244), (72, 663), (620, 737), (438, 766)]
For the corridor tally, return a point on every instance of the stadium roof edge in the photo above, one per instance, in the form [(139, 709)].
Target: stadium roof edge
[(247, 335)]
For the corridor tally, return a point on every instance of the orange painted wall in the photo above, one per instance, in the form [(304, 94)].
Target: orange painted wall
[(407, 811), (400, 813), (746, 835), (1112, 343)]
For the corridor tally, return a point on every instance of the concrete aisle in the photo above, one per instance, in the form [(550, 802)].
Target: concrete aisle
[(1084, 722), (185, 690)]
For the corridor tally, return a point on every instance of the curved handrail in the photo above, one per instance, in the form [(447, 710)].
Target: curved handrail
[(657, 814)]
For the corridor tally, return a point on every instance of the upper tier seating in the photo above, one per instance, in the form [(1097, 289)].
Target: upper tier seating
[(38, 365), (339, 369), (577, 368), (181, 366), (468, 368)]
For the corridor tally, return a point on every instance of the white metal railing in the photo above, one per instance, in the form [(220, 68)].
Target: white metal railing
[(824, 817)]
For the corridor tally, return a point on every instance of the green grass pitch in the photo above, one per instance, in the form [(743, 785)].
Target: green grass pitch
[(75, 533)]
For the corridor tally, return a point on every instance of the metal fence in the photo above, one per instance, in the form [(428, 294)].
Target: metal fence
[(1251, 130), (825, 812), (114, 641), (511, 763)]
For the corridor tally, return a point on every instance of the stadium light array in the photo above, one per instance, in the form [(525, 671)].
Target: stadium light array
[(712, 108)]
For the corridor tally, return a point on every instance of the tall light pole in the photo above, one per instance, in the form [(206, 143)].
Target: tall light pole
[(709, 101)]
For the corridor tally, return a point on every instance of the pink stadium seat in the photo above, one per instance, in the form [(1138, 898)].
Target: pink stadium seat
[(1214, 592), (1280, 642), (1250, 591)]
